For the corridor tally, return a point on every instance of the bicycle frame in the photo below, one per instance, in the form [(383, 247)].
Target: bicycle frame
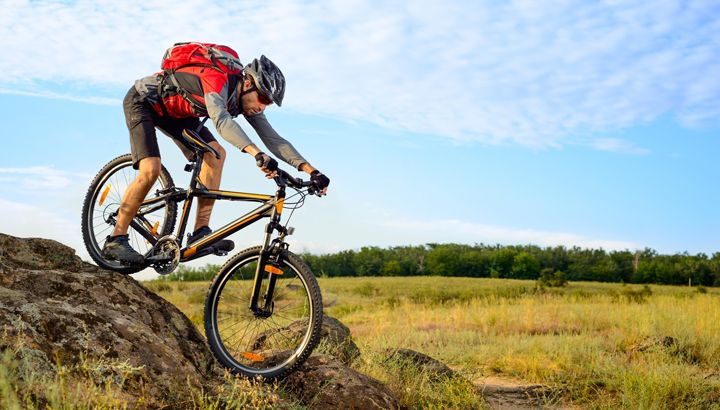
[(271, 206)]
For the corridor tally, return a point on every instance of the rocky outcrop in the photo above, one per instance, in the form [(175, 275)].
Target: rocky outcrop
[(55, 308)]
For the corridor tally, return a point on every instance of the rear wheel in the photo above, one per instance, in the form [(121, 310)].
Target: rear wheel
[(102, 202), (269, 345)]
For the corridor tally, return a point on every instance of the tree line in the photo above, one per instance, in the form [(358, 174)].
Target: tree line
[(511, 262), (521, 262)]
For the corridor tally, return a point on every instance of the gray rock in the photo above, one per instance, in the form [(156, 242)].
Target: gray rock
[(56, 308), (336, 341), (407, 357), (325, 383)]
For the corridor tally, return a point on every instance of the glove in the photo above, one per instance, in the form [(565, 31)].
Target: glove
[(319, 179), (264, 160)]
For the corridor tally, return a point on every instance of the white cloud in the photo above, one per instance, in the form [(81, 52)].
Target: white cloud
[(23, 220), (40, 178), (537, 74), (618, 145), (457, 231), (68, 97)]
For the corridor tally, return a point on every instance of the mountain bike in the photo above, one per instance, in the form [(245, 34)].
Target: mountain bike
[(263, 310)]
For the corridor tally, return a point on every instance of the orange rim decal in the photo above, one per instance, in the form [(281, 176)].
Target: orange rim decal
[(104, 195), (253, 357), (273, 270)]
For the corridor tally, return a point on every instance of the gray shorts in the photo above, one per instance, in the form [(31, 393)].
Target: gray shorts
[(142, 120)]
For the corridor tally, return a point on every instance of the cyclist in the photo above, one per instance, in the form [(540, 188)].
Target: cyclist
[(173, 106)]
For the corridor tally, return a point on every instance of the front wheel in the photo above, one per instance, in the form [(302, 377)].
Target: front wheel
[(255, 345)]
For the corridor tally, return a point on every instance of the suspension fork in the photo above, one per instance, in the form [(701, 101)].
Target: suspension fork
[(267, 262)]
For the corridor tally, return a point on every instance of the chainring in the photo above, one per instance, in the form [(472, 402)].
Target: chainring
[(167, 247)]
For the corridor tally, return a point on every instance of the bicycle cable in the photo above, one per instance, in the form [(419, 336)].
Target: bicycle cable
[(292, 206)]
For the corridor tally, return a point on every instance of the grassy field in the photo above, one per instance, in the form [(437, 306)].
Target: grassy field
[(597, 345)]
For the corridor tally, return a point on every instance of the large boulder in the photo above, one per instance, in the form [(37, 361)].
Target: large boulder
[(55, 308), (58, 312)]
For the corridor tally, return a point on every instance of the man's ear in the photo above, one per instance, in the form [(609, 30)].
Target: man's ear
[(247, 84)]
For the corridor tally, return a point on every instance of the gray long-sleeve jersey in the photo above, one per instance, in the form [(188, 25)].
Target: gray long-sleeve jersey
[(218, 103)]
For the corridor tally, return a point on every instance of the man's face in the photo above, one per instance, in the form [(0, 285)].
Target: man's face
[(253, 102)]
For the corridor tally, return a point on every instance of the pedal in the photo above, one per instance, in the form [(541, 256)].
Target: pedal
[(222, 248), (159, 258), (225, 246)]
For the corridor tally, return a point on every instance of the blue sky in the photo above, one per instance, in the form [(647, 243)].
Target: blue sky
[(557, 122)]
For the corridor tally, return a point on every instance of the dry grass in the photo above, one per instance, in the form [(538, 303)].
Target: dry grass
[(600, 345)]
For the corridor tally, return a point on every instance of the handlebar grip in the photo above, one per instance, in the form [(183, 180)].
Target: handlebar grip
[(284, 178)]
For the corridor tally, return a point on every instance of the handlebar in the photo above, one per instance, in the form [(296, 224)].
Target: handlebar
[(284, 179)]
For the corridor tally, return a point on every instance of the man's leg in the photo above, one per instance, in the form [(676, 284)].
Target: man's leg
[(210, 176), (140, 121), (148, 172), (117, 246)]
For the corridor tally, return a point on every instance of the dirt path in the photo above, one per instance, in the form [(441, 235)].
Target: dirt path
[(509, 394)]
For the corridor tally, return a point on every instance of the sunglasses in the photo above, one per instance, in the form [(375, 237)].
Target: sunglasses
[(263, 98)]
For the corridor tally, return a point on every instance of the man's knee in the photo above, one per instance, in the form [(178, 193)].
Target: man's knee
[(210, 158), (149, 170)]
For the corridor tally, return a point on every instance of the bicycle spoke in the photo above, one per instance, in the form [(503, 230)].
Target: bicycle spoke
[(103, 231), (232, 335), (290, 341), (227, 328), (242, 338)]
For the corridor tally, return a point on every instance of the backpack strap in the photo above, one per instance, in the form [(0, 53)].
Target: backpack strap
[(161, 94), (196, 104)]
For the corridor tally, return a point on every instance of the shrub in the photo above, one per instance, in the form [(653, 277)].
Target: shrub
[(637, 296), (552, 279)]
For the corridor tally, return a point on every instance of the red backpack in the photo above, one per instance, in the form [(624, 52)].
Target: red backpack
[(181, 55), (219, 57)]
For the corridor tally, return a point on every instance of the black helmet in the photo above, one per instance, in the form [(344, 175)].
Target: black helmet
[(268, 78)]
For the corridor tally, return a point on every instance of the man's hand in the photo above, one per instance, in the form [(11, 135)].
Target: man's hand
[(320, 180), (267, 164)]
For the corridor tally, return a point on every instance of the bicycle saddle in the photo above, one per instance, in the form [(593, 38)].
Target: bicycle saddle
[(197, 144)]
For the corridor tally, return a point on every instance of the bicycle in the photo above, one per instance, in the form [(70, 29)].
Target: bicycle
[(263, 311)]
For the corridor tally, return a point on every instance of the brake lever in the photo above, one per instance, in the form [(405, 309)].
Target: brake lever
[(313, 190)]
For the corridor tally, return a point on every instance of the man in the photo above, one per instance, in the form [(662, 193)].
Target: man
[(173, 101)]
